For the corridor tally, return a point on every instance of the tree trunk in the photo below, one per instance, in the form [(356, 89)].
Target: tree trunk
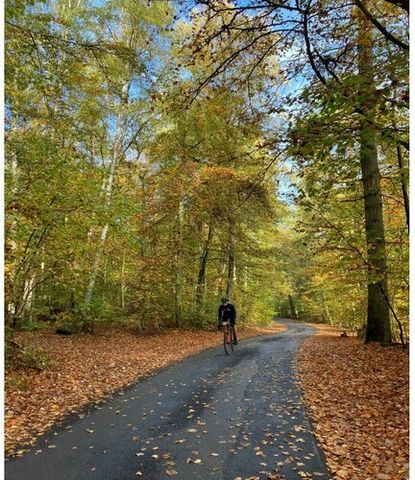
[(28, 293), (178, 268), (123, 281), (116, 151), (327, 311), (201, 278), (231, 263), (219, 288), (293, 311), (378, 322), (11, 246), (403, 184)]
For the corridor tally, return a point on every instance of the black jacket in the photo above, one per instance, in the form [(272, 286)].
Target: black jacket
[(226, 312)]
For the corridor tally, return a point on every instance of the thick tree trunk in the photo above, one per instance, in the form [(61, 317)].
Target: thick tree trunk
[(378, 322)]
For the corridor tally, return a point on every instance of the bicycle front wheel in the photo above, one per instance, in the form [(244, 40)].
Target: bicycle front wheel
[(227, 340)]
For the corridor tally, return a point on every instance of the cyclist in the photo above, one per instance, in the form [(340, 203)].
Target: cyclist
[(227, 313)]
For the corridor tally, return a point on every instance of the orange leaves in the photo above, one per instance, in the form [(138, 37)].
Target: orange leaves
[(216, 188), (217, 174), (358, 397), (86, 368)]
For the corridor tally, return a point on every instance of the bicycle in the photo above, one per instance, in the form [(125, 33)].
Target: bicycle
[(228, 337)]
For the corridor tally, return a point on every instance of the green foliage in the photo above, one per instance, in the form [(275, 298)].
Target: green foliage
[(32, 326), (136, 188)]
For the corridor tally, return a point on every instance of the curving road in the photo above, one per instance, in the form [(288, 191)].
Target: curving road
[(207, 417)]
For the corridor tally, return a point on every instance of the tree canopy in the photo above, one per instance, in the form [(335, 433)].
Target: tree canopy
[(160, 155)]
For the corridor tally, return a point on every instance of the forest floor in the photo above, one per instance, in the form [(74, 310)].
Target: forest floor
[(358, 397), (83, 369)]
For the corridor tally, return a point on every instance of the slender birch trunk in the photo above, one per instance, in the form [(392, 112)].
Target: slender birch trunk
[(293, 311), (219, 288), (402, 176), (122, 281), (29, 292), (403, 183), (245, 270), (116, 153), (231, 263), (11, 247), (178, 268), (201, 279), (326, 309)]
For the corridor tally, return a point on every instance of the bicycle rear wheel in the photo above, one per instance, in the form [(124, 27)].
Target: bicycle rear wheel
[(227, 340)]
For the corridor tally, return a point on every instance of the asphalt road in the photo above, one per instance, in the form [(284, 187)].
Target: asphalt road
[(210, 416)]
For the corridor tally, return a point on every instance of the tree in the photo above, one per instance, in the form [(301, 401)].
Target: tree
[(378, 324)]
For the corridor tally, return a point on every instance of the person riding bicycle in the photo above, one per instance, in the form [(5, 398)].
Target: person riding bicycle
[(227, 312)]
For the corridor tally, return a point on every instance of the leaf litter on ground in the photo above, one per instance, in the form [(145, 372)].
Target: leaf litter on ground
[(358, 397)]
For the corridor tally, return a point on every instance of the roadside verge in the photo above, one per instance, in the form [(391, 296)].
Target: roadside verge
[(358, 398)]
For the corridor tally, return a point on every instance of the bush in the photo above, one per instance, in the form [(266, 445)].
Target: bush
[(68, 322), (32, 326)]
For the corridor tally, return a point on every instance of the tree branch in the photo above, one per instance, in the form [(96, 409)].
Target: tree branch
[(380, 27), (309, 52)]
